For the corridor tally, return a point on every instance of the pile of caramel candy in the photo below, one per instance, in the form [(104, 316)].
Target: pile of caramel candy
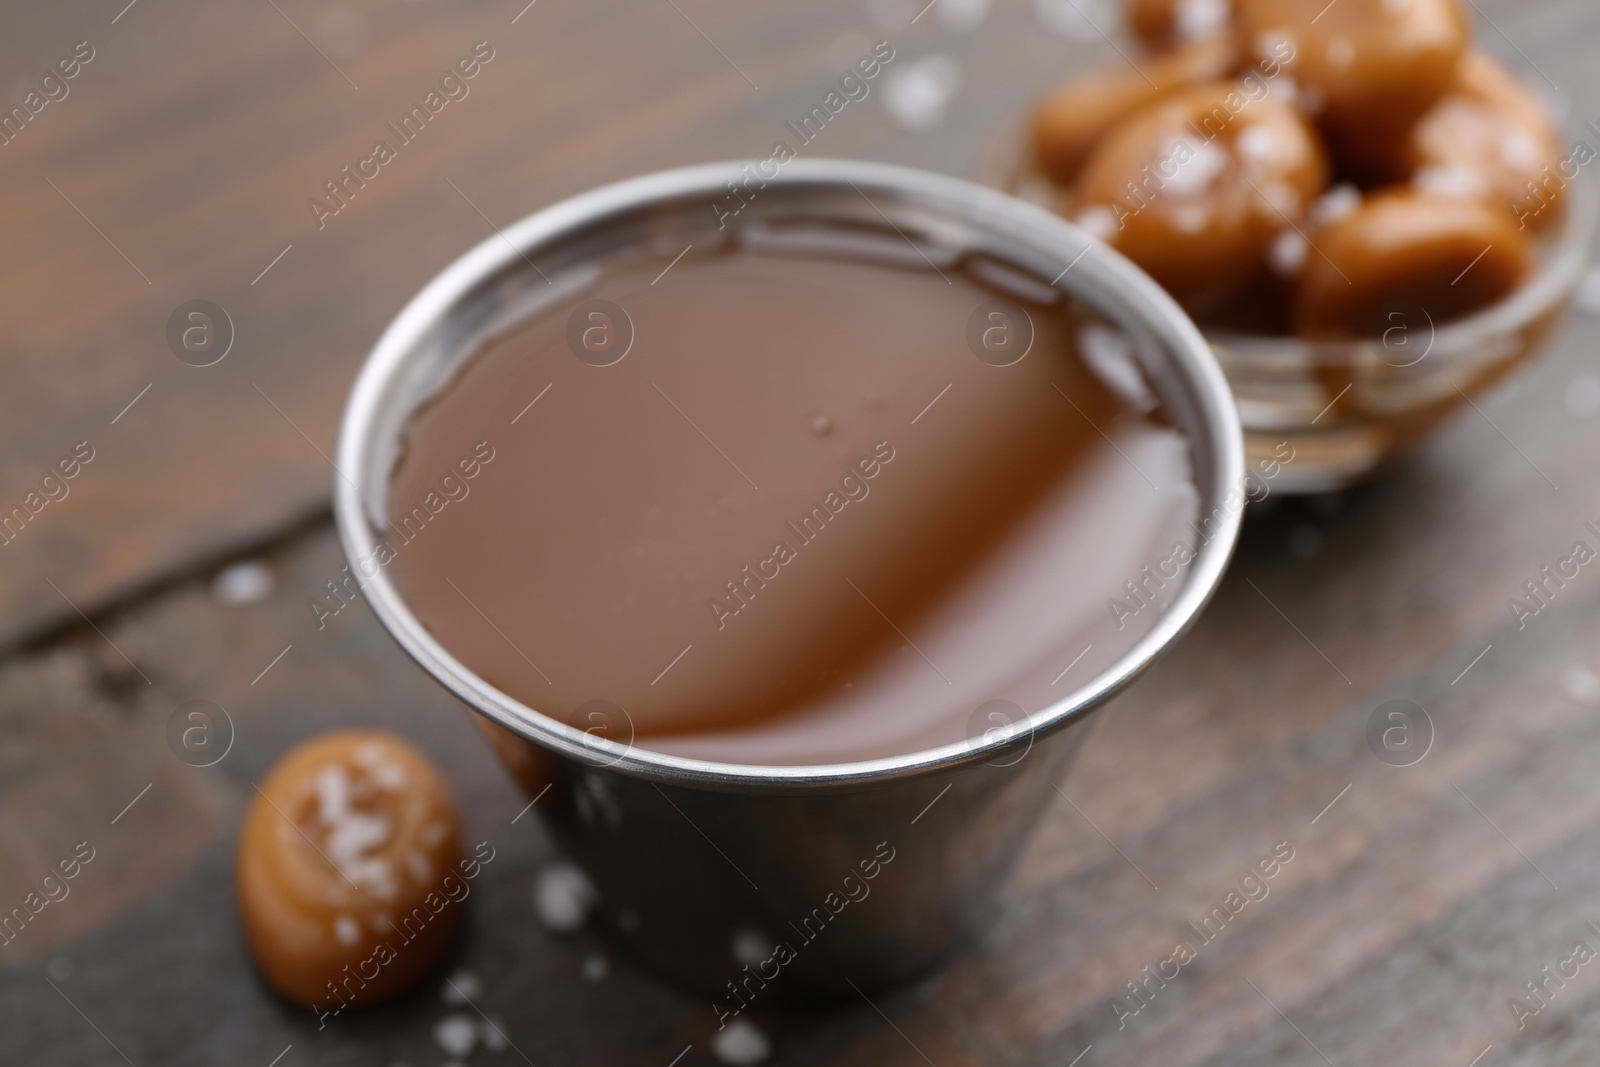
[(1307, 167)]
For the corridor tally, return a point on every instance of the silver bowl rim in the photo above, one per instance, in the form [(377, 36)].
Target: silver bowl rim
[(1028, 226)]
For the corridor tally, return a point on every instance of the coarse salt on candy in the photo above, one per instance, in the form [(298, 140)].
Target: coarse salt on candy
[(1195, 19), (346, 929), (1098, 220), (1194, 173), (352, 834), (387, 773), (1287, 254)]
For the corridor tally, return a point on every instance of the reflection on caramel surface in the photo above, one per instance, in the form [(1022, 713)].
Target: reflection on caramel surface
[(782, 508)]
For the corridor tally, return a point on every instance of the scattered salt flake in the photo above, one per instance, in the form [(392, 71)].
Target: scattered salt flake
[(346, 929), (751, 946), (1287, 254), (1521, 150), (1258, 144), (1199, 163), (460, 988), (493, 1034), (59, 969), (1341, 52), (1188, 218), (1582, 685), (1194, 19), (1446, 181), (563, 896), (917, 95), (1588, 295), (245, 582), (741, 1044), (1334, 204), (595, 968), (457, 1035)]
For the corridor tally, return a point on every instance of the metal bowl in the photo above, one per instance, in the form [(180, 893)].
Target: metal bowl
[(687, 853)]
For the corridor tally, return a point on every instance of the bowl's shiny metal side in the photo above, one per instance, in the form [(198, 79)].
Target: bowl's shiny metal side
[(687, 854), (687, 877)]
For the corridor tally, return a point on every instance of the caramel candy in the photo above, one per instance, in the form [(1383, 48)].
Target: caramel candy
[(1073, 117), (1194, 189), (1407, 259), (1164, 23), (1491, 138), (346, 870), (1366, 70)]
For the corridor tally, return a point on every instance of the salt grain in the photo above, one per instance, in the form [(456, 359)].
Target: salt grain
[(1194, 174), (917, 95), (493, 1034), (563, 897), (1258, 144), (1582, 685), (595, 968), (346, 929), (1194, 19), (751, 947), (741, 1044), (460, 988), (1334, 204), (1287, 254), (242, 583), (1455, 182), (457, 1035), (1098, 220)]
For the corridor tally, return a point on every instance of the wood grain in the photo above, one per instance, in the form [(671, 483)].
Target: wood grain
[(1419, 900)]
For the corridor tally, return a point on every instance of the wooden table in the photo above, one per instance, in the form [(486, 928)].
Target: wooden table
[(1419, 900)]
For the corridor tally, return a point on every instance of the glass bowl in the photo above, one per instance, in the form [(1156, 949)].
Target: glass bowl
[(1324, 415)]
